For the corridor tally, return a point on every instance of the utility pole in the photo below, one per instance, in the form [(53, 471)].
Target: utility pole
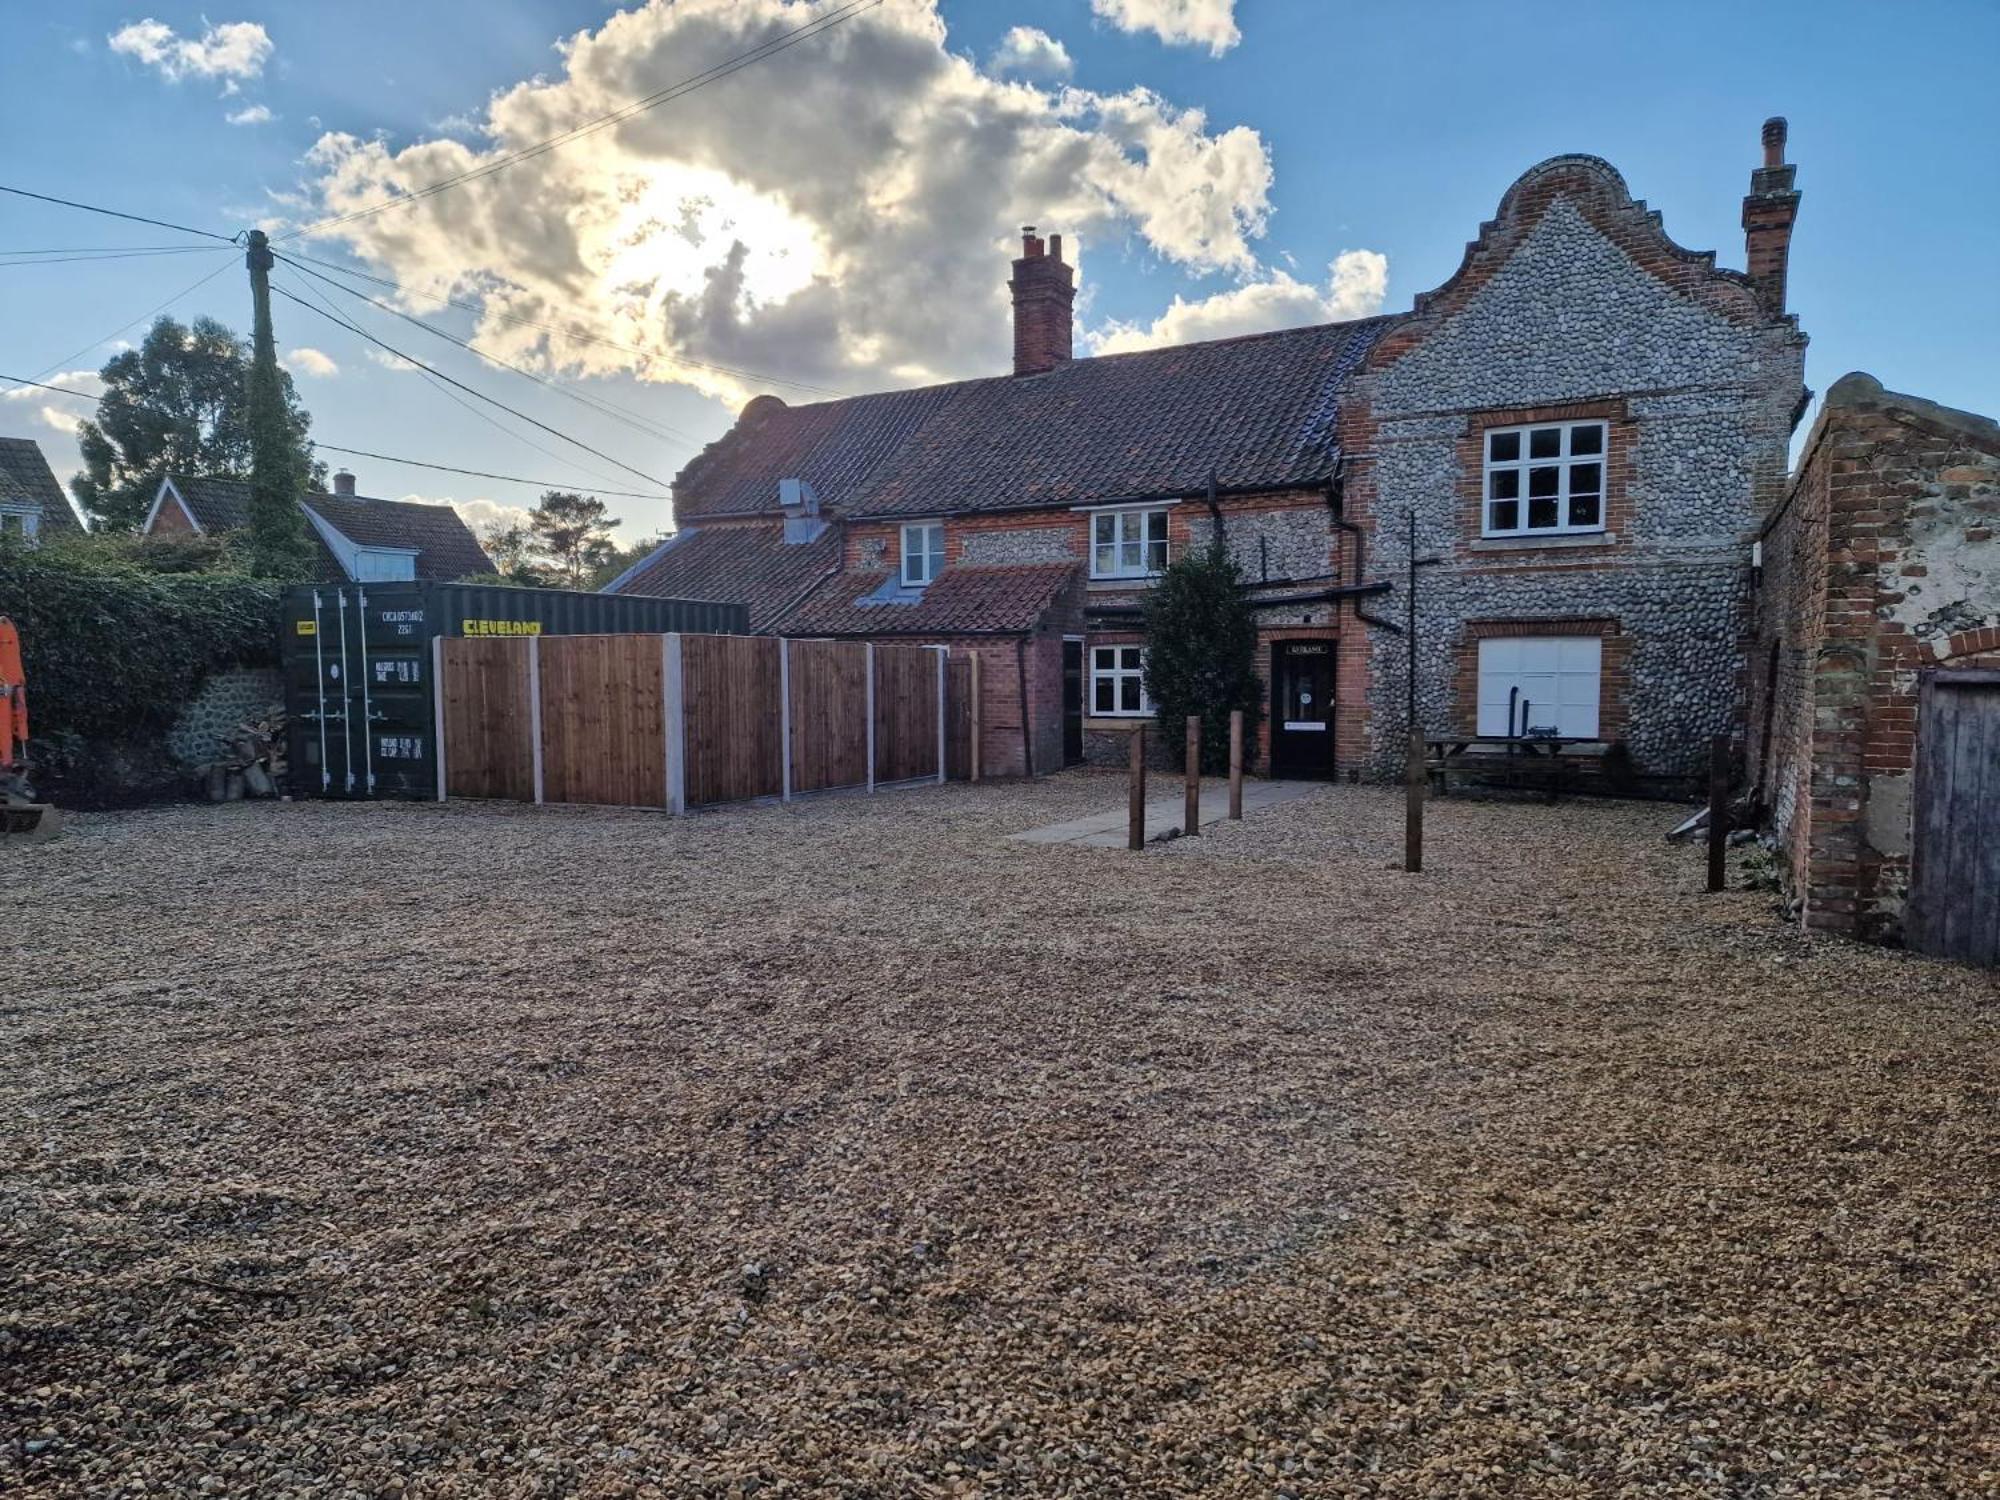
[(278, 546)]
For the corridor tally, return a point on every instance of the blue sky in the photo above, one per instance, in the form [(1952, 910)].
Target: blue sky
[(866, 183)]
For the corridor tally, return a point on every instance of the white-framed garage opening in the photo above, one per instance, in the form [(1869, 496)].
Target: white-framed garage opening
[(1540, 684)]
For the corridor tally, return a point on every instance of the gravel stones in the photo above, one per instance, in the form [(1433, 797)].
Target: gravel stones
[(851, 1149)]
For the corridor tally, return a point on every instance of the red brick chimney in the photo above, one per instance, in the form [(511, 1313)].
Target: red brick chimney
[(1768, 213), (1043, 290)]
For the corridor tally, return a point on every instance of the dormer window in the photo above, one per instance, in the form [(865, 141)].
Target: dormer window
[(1546, 479), (923, 552)]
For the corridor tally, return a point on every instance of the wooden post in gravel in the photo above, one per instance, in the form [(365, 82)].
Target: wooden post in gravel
[(1191, 816), (1718, 811), (1236, 765), (1135, 834), (1413, 809)]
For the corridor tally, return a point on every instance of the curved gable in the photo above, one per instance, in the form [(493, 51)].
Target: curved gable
[(1569, 234)]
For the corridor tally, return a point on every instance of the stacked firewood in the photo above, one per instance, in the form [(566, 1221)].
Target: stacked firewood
[(251, 762)]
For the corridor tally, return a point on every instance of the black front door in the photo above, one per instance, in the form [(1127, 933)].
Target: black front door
[(1072, 703), (1302, 708)]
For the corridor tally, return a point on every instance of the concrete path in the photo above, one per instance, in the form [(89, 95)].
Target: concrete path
[(1107, 830)]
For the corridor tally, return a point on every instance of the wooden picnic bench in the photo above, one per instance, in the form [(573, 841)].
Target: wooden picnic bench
[(1552, 764)]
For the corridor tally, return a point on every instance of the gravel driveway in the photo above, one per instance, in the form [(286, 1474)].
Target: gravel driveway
[(850, 1149)]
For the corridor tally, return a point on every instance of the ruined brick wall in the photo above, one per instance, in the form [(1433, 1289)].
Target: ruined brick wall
[(1884, 561)]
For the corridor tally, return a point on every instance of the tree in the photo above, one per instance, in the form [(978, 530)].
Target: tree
[(1201, 652), (178, 403), (511, 549), (573, 534), (280, 462), (622, 558)]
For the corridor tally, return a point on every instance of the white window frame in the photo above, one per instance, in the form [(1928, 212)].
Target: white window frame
[(927, 554), (1118, 665), (27, 524), (385, 565), (1496, 474), (1129, 531)]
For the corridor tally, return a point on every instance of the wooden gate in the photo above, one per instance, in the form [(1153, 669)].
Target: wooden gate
[(1954, 904)]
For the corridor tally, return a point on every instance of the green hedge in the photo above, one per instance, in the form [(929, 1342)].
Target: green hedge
[(113, 654)]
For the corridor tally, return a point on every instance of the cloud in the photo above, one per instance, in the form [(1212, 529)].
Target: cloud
[(389, 361), (1357, 281), (254, 114), (1208, 23), (482, 513), (841, 214), (315, 363), (56, 415), (231, 52), (1030, 52)]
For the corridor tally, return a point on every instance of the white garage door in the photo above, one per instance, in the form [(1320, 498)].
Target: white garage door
[(1550, 682)]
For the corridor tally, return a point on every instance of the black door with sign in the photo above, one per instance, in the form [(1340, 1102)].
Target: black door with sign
[(1072, 703), (1302, 708)]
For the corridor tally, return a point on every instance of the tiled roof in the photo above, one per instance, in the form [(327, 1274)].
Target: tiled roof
[(961, 600), (1257, 410), (446, 547), (25, 475), (745, 563), (832, 445)]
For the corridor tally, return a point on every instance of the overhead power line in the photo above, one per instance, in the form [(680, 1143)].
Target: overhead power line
[(617, 413), (557, 432), (560, 332), (391, 458), (147, 317), (112, 213), (12, 258), (846, 11)]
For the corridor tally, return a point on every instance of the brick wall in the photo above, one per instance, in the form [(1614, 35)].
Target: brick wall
[(1882, 560)]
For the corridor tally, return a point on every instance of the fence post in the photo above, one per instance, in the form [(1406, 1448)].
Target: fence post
[(1191, 816), (973, 712), (1718, 811), (437, 701), (1135, 832), (1236, 764), (870, 648), (535, 711), (1413, 809), (785, 718), (942, 653), (675, 709)]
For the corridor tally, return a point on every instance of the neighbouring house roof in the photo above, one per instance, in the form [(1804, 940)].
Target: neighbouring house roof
[(1256, 411), (444, 544), (959, 601), (25, 477), (744, 563)]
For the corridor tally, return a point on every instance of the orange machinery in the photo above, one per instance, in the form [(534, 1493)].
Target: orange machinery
[(20, 815)]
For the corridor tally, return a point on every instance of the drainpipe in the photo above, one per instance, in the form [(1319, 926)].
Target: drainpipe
[(1335, 495), (1021, 677), (1215, 512)]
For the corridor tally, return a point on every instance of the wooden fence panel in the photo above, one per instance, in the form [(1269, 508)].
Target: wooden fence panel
[(958, 718), (829, 714), (905, 712), (603, 740), (730, 691), (488, 735)]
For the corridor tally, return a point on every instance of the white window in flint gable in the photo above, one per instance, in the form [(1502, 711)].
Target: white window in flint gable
[(923, 552), (1545, 480), (1128, 543)]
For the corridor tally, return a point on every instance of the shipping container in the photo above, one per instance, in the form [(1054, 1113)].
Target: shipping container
[(361, 705)]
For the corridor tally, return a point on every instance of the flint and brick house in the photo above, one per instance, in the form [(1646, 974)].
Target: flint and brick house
[(1874, 714), (356, 539), (1586, 426)]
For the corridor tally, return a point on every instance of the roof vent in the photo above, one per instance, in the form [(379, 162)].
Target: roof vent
[(343, 484)]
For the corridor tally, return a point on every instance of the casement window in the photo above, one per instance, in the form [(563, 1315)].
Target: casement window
[(382, 565), (1118, 681), (1545, 480), (923, 552), (25, 524), (1539, 684), (1128, 543)]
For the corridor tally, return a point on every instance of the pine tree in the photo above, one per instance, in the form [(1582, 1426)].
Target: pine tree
[(1201, 652)]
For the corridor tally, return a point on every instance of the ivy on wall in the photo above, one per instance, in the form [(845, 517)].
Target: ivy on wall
[(113, 653)]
